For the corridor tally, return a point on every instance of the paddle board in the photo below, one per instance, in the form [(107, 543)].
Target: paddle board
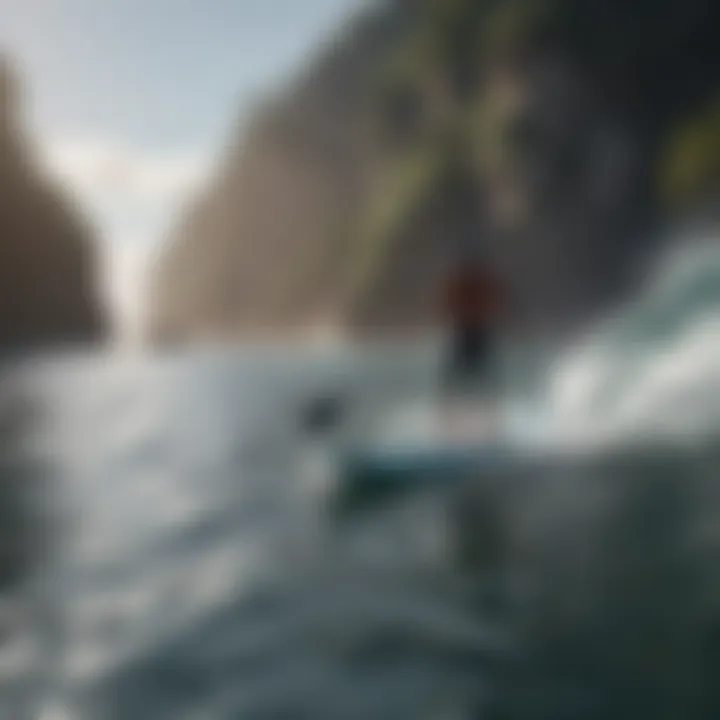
[(421, 447)]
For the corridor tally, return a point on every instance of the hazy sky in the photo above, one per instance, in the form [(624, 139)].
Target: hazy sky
[(130, 99)]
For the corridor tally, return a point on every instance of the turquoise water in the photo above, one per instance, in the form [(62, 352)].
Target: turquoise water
[(193, 570)]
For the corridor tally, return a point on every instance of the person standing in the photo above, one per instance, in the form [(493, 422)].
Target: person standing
[(475, 304)]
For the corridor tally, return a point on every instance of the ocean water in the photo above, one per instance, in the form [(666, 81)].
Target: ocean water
[(184, 563)]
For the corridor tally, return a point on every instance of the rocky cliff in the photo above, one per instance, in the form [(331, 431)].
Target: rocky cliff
[(46, 264), (540, 130)]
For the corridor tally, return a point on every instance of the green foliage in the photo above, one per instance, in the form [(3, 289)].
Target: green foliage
[(397, 196), (511, 27), (441, 48), (690, 168), (409, 62), (450, 46)]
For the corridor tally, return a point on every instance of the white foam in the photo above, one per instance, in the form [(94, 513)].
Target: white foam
[(667, 383)]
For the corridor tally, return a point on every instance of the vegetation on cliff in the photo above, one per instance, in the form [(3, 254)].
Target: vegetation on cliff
[(550, 131)]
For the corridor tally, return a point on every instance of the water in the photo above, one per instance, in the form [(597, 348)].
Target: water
[(193, 570)]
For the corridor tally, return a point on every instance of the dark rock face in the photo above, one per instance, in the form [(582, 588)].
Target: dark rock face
[(335, 210), (46, 295)]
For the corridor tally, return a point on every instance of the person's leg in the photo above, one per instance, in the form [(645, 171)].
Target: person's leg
[(462, 408), (452, 381), (476, 382), (489, 377), (453, 369), (487, 367)]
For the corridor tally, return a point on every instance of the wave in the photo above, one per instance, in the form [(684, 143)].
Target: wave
[(654, 365)]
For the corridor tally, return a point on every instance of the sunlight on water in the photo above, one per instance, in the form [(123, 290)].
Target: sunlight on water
[(201, 575)]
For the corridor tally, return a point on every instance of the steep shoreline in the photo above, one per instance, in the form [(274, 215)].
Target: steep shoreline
[(47, 260), (335, 202)]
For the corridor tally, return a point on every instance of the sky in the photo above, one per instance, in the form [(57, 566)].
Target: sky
[(130, 101)]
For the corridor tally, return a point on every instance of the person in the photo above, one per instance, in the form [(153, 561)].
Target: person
[(475, 301)]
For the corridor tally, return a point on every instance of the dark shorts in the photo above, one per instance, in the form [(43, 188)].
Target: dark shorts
[(471, 365)]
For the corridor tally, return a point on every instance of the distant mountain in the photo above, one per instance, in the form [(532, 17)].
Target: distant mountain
[(545, 131), (46, 262)]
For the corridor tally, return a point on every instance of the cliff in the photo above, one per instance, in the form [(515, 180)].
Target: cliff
[(46, 264), (542, 130)]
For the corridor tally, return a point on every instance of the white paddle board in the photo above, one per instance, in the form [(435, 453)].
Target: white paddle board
[(433, 444)]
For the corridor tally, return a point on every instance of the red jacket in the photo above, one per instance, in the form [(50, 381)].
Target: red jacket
[(474, 297)]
